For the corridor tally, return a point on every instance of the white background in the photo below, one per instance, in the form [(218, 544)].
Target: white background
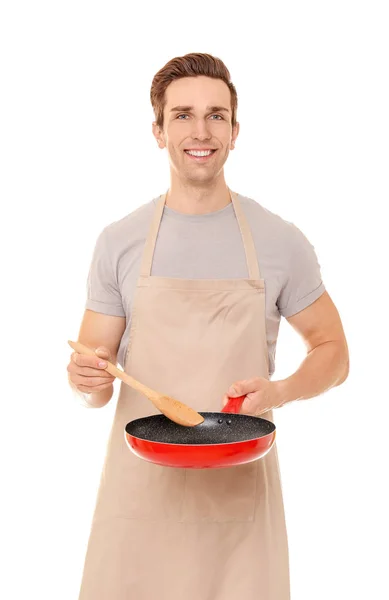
[(77, 153)]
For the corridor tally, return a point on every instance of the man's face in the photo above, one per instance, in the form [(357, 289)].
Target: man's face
[(197, 118)]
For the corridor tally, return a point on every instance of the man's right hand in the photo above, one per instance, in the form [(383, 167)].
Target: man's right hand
[(87, 373)]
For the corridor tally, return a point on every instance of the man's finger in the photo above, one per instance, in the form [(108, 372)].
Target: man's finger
[(91, 382), (242, 388), (84, 360), (87, 371), (98, 388)]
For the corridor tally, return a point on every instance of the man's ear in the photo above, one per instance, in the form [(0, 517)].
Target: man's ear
[(158, 134), (235, 133)]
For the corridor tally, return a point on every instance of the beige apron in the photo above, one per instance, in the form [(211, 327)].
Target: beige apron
[(161, 533)]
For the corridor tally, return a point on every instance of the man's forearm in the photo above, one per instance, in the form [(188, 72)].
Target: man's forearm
[(326, 366)]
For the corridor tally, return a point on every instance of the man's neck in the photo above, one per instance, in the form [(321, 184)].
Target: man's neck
[(193, 199)]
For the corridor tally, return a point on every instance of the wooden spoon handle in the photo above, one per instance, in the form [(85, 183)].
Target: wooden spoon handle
[(113, 370), (171, 408)]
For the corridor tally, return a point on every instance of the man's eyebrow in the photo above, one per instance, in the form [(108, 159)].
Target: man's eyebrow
[(217, 109), (189, 108), (181, 109)]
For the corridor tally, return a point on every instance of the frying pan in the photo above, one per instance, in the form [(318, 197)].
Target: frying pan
[(223, 439)]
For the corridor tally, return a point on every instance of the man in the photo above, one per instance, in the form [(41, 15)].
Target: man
[(186, 293)]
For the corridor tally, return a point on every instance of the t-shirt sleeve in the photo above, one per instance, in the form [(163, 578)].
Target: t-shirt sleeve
[(303, 279), (103, 293)]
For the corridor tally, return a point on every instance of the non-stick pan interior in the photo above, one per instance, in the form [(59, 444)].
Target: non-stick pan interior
[(217, 428)]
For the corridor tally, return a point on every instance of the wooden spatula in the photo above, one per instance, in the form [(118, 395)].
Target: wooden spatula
[(173, 409)]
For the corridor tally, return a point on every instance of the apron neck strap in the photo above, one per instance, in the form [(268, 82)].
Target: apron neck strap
[(151, 240), (248, 243)]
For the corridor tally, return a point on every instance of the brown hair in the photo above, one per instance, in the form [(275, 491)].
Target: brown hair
[(190, 65)]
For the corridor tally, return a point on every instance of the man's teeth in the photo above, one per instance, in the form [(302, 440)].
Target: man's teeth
[(199, 152)]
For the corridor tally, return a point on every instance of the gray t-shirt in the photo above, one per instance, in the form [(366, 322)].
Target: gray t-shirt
[(205, 247)]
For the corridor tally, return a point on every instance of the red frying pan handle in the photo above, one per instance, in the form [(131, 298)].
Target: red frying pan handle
[(234, 405)]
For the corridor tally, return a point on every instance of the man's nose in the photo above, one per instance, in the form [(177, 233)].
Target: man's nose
[(201, 130)]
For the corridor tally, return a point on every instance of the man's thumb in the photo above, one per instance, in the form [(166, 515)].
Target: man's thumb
[(102, 353), (241, 388), (234, 391)]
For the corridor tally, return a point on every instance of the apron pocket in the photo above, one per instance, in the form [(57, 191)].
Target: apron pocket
[(220, 495), (147, 492)]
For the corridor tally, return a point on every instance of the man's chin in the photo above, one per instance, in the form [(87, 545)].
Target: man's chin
[(199, 176), (202, 180)]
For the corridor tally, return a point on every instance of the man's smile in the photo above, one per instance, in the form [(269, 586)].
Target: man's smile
[(200, 155)]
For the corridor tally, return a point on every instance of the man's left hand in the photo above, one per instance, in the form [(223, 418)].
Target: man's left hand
[(261, 395)]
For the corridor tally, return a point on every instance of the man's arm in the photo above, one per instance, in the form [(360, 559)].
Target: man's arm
[(325, 366), (327, 362), (97, 330)]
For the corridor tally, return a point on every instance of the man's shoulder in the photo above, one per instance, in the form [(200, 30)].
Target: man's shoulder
[(134, 222), (264, 220), (127, 233), (273, 233)]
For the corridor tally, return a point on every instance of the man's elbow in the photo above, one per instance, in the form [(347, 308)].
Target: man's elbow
[(345, 361)]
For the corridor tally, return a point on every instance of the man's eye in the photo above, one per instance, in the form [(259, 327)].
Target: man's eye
[(183, 116)]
